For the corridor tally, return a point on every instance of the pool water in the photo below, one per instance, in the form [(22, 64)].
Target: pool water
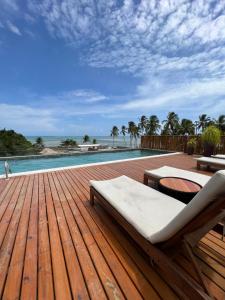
[(25, 165)]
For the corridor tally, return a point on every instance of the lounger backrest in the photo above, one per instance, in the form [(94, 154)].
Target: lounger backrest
[(209, 193)]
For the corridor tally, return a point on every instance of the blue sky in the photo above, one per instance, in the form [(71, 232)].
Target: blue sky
[(72, 67)]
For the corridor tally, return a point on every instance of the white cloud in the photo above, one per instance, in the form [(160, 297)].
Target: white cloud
[(142, 37), (74, 97), (87, 96), (27, 119), (190, 99), (13, 28), (31, 120), (9, 5), (176, 48), (48, 119), (54, 114)]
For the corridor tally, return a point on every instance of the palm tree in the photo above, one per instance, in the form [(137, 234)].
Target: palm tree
[(165, 130), (171, 123), (94, 141), (86, 138), (196, 127), (142, 124), (203, 122), (136, 133), (131, 125), (153, 125), (39, 143), (187, 127), (220, 123), (114, 133), (123, 132)]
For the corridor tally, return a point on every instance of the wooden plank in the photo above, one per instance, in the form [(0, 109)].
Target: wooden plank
[(125, 283), (4, 188), (78, 287), (93, 283), (8, 208), (29, 280), (214, 276), (138, 268), (217, 267), (3, 184), (215, 238), (14, 277), (110, 285), (211, 266), (180, 280), (62, 237), (45, 276), (213, 244), (176, 143), (61, 282), (212, 253), (214, 288), (12, 219), (6, 196), (136, 275), (218, 236)]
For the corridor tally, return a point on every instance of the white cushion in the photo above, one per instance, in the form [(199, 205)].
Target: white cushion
[(155, 215), (213, 160), (209, 193), (222, 156), (174, 172), (148, 210)]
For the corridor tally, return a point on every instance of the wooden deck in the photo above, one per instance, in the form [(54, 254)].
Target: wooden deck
[(54, 245)]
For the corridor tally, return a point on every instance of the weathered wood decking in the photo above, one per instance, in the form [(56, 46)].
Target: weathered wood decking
[(53, 244)]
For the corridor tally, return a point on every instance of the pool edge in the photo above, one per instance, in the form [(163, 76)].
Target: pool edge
[(86, 165)]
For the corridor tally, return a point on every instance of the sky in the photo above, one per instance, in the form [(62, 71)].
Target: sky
[(75, 67)]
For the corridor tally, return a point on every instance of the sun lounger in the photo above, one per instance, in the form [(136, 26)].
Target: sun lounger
[(157, 174), (160, 224), (221, 156), (211, 162)]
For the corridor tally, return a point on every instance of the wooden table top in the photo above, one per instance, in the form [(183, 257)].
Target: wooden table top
[(180, 184)]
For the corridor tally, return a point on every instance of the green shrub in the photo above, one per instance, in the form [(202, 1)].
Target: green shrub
[(12, 143), (192, 143), (39, 144), (211, 136), (86, 138), (69, 143)]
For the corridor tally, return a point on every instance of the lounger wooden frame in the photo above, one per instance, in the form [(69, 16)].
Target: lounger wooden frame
[(216, 165), (148, 177), (162, 254)]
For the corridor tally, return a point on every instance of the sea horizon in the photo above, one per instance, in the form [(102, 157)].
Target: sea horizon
[(55, 140)]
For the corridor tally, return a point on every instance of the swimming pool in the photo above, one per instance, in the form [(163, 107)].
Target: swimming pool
[(26, 165)]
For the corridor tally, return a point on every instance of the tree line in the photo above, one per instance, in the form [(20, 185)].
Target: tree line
[(172, 125)]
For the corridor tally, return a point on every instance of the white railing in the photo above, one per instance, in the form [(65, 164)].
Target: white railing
[(7, 170)]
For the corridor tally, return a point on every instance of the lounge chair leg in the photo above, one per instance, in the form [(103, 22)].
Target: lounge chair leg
[(92, 197), (197, 268), (198, 165), (145, 179)]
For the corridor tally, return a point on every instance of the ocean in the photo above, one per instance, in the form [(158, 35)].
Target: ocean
[(54, 141)]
